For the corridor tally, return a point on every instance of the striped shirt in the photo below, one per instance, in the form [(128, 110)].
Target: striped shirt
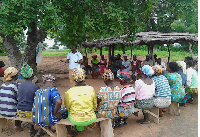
[(128, 96), (162, 86), (8, 100)]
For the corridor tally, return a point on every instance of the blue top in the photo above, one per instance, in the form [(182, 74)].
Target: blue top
[(43, 108), (162, 86), (183, 76), (26, 94)]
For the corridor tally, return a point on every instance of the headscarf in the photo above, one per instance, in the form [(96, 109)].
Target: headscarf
[(26, 71), (124, 76), (9, 73), (182, 65), (108, 75), (48, 77), (157, 69), (78, 75), (95, 55), (147, 70)]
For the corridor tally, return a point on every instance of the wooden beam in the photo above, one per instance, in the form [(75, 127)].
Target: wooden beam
[(100, 51), (168, 52), (190, 49), (86, 52), (123, 49), (131, 52), (109, 52), (113, 50)]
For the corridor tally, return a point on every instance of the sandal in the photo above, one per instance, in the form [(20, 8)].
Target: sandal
[(145, 122), (140, 121)]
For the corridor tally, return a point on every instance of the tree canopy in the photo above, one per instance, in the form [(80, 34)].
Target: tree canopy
[(28, 22)]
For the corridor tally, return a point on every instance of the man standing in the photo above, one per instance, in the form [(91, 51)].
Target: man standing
[(74, 58)]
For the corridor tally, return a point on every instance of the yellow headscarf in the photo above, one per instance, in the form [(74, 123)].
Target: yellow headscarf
[(9, 73), (78, 74)]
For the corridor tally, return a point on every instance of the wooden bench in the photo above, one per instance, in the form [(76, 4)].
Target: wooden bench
[(174, 109), (153, 114), (61, 130)]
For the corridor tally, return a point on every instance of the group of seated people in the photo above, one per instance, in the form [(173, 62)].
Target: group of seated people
[(116, 64), (83, 106)]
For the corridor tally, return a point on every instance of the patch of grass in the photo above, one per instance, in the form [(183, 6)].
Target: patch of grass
[(3, 54)]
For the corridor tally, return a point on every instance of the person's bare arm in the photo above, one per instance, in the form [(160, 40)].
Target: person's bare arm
[(57, 107)]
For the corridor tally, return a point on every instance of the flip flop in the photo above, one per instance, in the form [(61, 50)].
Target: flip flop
[(145, 122), (139, 121)]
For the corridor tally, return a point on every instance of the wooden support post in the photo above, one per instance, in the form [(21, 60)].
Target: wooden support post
[(131, 52), (148, 48), (106, 128), (174, 109), (155, 117), (123, 49), (151, 53), (113, 50), (195, 100), (61, 130), (49, 132), (3, 122), (86, 52), (109, 52), (190, 49), (100, 51), (169, 53)]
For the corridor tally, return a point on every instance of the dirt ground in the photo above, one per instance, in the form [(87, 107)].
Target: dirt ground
[(185, 125)]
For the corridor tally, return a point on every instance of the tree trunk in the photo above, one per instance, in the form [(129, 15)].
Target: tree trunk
[(12, 50), (34, 37)]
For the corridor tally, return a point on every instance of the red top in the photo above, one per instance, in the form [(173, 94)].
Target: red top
[(2, 71), (136, 66)]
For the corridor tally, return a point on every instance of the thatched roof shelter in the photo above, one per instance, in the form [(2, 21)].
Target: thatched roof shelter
[(145, 38)]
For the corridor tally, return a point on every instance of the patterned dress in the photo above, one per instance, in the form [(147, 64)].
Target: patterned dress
[(110, 98), (126, 104), (177, 90)]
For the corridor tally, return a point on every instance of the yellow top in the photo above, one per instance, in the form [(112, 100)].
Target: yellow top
[(81, 102)]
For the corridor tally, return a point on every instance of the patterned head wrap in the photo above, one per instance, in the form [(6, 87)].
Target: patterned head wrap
[(9, 73), (78, 75), (182, 65), (26, 71), (48, 77), (157, 69), (124, 76), (147, 70), (108, 75)]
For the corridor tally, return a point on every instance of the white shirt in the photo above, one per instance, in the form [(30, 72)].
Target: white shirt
[(127, 65), (74, 57), (192, 78), (162, 65)]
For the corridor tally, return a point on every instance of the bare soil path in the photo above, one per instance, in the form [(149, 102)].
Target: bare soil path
[(185, 125)]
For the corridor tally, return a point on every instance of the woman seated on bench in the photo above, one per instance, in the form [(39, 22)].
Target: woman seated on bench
[(81, 101), (175, 82), (108, 97), (144, 92), (8, 95), (47, 109), (163, 92), (126, 104)]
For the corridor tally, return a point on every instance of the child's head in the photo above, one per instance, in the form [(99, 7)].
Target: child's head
[(2, 64)]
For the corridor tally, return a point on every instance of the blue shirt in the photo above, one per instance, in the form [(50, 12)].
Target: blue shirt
[(26, 94), (183, 76), (162, 86)]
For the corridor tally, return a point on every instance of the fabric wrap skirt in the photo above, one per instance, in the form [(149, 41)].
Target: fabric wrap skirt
[(162, 102), (145, 104)]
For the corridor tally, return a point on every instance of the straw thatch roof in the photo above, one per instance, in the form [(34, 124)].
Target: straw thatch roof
[(146, 38)]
